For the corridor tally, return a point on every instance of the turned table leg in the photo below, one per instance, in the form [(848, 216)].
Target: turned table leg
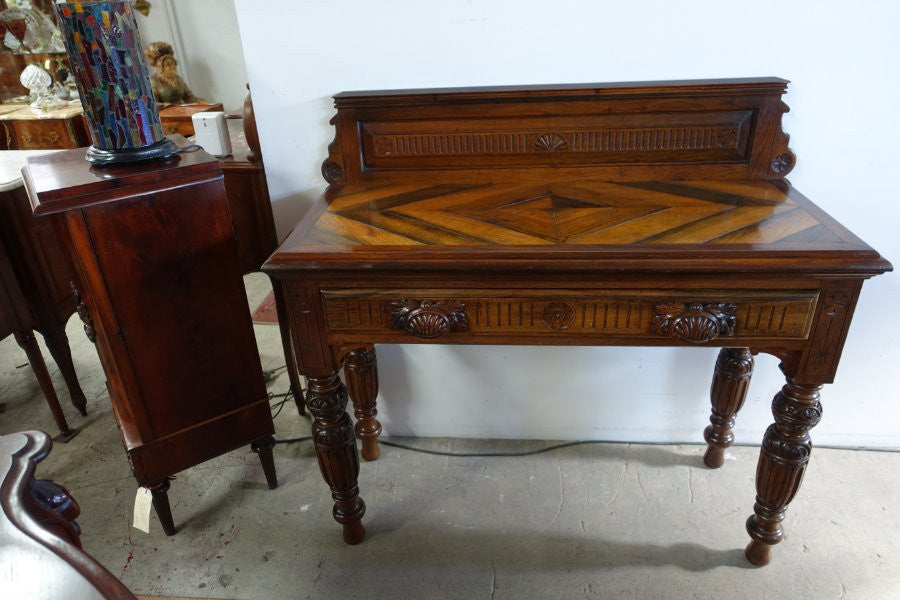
[(263, 447), (361, 370), (336, 450), (782, 461), (728, 392), (58, 344), (160, 493), (29, 344)]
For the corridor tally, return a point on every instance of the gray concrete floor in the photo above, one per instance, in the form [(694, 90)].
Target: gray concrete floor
[(598, 521)]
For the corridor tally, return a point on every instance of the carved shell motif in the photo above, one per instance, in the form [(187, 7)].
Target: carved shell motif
[(550, 142), (694, 322), (428, 319)]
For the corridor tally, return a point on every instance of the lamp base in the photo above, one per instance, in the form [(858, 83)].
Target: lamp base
[(161, 149)]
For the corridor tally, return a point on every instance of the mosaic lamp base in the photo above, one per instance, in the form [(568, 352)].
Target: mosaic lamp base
[(162, 149)]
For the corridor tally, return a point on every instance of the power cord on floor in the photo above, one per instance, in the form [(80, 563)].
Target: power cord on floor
[(284, 397)]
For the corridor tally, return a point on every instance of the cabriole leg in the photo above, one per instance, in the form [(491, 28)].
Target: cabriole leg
[(28, 343), (263, 447), (782, 461), (361, 369), (58, 344), (336, 450), (728, 392)]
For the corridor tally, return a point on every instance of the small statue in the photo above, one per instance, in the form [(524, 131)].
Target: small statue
[(167, 84)]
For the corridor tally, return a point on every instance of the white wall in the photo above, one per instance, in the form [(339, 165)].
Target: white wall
[(204, 34), (842, 60)]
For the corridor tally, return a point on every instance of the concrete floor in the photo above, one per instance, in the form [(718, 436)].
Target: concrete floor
[(598, 521)]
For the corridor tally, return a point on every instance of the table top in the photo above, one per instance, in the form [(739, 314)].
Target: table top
[(26, 113), (588, 218)]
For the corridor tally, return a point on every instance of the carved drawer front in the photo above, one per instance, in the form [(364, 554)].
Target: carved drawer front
[(44, 134), (688, 316)]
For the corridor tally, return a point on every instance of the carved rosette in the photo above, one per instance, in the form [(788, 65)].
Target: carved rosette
[(428, 319), (694, 322), (558, 316), (84, 314), (783, 158), (332, 169)]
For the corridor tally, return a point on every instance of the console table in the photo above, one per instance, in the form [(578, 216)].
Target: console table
[(652, 214)]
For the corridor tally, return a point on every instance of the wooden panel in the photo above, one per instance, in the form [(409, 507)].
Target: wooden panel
[(721, 129), (185, 248), (591, 139), (782, 315)]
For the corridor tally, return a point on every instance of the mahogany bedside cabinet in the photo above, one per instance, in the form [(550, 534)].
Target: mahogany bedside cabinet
[(162, 296), (652, 214)]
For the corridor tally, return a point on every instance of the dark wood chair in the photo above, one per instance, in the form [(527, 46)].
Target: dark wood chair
[(38, 532)]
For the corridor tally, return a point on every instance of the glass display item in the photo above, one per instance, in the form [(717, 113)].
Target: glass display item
[(38, 82), (107, 59)]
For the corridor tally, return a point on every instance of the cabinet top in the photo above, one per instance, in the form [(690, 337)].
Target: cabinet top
[(65, 180)]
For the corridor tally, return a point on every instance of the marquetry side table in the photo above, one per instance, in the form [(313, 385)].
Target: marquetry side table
[(651, 214)]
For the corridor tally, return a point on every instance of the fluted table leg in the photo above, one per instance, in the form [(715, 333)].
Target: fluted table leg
[(335, 445), (734, 368), (362, 382), (782, 461)]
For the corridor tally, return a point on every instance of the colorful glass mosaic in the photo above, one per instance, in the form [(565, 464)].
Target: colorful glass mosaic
[(107, 59)]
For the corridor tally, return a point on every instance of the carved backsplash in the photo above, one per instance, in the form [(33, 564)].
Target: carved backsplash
[(669, 137)]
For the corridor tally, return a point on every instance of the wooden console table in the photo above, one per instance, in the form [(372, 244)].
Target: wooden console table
[(649, 214)]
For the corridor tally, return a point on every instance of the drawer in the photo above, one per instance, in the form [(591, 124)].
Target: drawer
[(691, 316), (183, 127), (43, 134)]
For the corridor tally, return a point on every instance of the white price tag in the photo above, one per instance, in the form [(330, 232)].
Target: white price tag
[(143, 502)]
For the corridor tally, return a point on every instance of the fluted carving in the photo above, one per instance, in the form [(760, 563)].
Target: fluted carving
[(782, 462), (731, 380), (362, 383), (332, 432)]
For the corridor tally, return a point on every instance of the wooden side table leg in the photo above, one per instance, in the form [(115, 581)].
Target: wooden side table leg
[(58, 344), (29, 344), (336, 450), (728, 392), (782, 461), (361, 369), (263, 447), (287, 348), (160, 493)]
